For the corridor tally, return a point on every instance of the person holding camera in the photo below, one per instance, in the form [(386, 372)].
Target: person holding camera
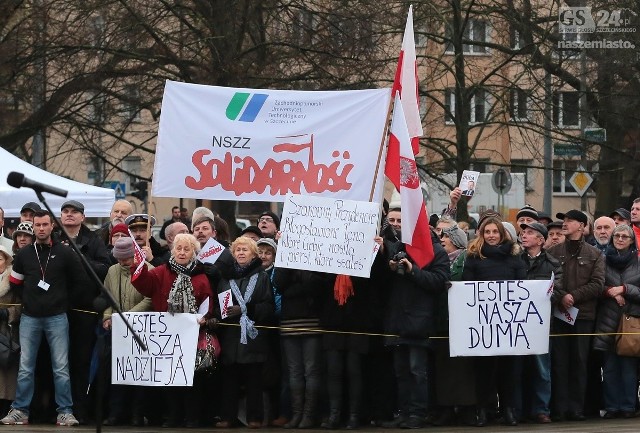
[(410, 315)]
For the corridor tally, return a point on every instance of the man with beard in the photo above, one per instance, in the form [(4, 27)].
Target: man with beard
[(81, 322), (120, 210), (138, 224), (602, 231), (46, 278)]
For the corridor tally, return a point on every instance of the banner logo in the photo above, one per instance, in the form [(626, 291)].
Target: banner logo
[(251, 109)]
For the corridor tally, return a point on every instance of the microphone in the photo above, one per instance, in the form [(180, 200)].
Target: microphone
[(17, 180)]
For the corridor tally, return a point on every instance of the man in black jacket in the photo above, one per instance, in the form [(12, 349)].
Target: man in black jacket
[(82, 322), (410, 315), (540, 266), (46, 277)]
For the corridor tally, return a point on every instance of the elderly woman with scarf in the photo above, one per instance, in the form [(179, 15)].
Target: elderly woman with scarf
[(172, 288), (244, 347), (621, 296)]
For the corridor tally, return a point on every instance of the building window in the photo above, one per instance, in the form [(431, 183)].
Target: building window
[(97, 32), (131, 108), (518, 104), (423, 101), (516, 41), (475, 31), (562, 172), (98, 106), (132, 166), (303, 27), (524, 166), (478, 109), (481, 165), (566, 109), (569, 44)]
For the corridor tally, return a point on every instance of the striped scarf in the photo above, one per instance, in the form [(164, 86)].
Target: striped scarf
[(181, 299)]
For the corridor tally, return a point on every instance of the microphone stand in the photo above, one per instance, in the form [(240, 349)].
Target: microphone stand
[(103, 289)]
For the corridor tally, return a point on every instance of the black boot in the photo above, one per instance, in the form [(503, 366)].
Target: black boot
[(333, 422), (354, 421), (509, 417), (309, 411), (297, 403), (481, 417)]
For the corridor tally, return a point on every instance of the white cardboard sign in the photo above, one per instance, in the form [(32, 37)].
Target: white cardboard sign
[(170, 357), (327, 235), (210, 251), (489, 318)]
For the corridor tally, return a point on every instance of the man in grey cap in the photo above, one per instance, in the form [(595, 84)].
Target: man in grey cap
[(540, 266), (81, 323), (583, 280)]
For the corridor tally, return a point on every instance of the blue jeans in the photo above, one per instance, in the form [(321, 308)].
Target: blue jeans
[(56, 330), (410, 365), (619, 382), (541, 384)]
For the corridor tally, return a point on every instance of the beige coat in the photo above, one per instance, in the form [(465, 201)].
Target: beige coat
[(8, 299), (118, 282)]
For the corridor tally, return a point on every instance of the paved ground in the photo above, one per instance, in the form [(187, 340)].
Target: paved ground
[(624, 426)]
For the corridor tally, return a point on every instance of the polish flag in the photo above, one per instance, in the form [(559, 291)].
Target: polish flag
[(401, 170), (139, 256), (406, 84)]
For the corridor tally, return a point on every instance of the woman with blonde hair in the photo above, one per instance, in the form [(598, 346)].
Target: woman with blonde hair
[(174, 288), (494, 256), (244, 346)]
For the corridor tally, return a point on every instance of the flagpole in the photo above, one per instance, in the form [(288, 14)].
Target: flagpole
[(147, 242), (382, 147)]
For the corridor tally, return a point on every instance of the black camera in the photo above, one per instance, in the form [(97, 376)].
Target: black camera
[(396, 258)]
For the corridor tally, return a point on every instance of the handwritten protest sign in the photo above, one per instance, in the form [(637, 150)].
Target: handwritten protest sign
[(171, 349), (327, 235), (488, 318)]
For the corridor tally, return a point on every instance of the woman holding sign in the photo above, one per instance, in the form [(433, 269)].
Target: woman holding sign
[(494, 256), (621, 296), (245, 301), (172, 288)]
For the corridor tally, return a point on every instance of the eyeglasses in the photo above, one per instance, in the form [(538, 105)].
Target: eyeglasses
[(265, 219), (623, 237)]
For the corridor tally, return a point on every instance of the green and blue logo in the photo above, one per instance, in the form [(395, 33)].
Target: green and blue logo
[(251, 108)]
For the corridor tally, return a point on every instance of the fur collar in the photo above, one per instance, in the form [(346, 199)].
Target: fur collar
[(4, 281)]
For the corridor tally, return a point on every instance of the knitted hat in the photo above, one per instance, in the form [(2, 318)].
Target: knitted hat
[(489, 213), (120, 228), (529, 211), (457, 236), (275, 218), (25, 227), (511, 230), (123, 249)]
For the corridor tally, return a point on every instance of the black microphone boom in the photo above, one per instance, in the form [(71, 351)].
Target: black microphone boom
[(17, 180)]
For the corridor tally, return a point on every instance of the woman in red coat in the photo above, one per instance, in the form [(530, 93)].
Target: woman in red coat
[(173, 289)]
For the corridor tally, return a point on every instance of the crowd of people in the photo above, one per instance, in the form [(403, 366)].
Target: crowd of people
[(310, 349)]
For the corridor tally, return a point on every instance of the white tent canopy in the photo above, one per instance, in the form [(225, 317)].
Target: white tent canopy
[(97, 201)]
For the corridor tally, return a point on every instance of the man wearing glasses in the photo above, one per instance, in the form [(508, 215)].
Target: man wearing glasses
[(269, 224)]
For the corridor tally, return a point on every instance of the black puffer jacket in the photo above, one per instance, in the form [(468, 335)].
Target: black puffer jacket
[(501, 262), (260, 309), (609, 312), (412, 297)]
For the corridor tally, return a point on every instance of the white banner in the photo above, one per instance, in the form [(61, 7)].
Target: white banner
[(258, 145), (170, 357), (488, 318), (327, 235)]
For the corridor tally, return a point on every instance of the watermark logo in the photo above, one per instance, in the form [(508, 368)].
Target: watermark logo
[(583, 19), (243, 111)]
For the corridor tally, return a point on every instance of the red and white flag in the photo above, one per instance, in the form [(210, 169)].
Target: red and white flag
[(138, 256), (406, 84), (401, 170)]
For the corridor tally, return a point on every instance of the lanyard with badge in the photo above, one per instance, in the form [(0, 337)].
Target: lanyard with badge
[(42, 283)]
